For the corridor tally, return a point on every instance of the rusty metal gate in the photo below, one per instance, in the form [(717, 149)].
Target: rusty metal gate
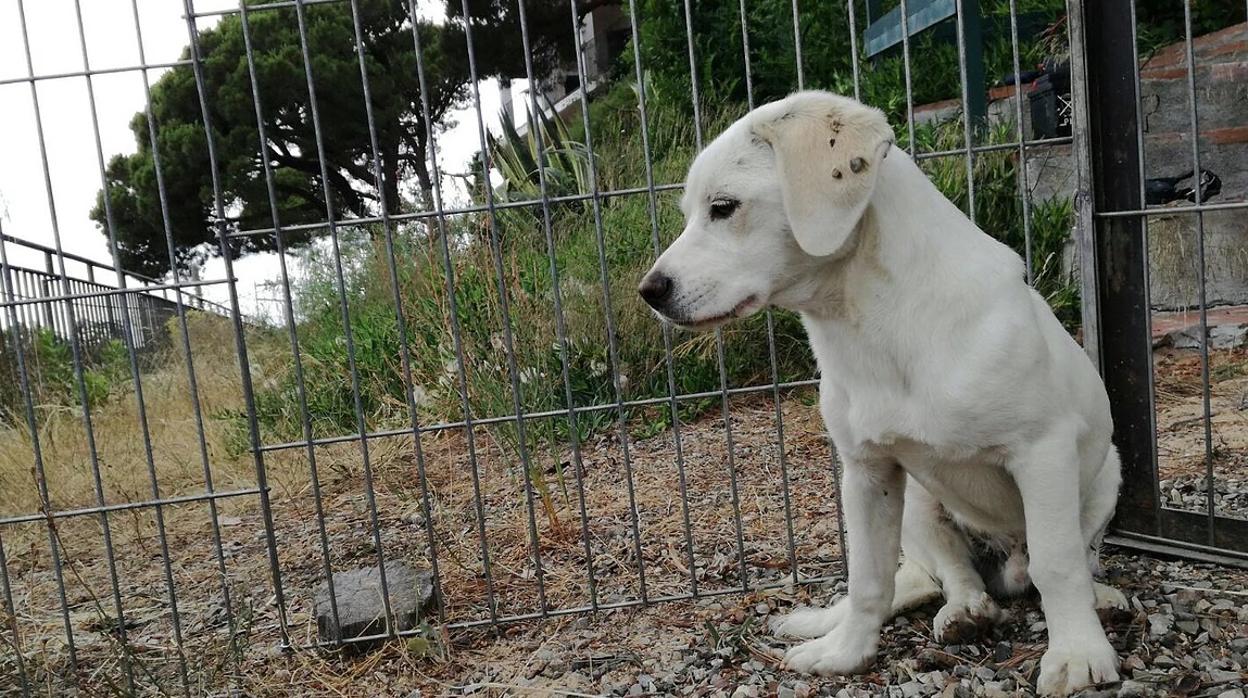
[(1116, 220)]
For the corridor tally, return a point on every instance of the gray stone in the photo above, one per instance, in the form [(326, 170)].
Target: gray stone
[(1232, 693), (1159, 624), (360, 608), (910, 689), (1220, 337), (1190, 627)]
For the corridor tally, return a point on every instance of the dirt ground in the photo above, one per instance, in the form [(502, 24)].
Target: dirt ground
[(234, 643), (1181, 437)]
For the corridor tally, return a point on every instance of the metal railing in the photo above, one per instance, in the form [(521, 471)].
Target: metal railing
[(64, 303)]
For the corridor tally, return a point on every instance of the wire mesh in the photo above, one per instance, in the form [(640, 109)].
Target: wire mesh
[(326, 496)]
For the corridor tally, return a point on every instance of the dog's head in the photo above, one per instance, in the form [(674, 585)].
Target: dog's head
[(776, 194)]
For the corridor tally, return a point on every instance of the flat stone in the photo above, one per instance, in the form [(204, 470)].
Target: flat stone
[(1159, 624), (360, 608)]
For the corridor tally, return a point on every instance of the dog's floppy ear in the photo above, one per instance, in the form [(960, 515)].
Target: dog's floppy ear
[(828, 152)]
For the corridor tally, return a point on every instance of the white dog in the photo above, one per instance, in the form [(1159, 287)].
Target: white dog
[(946, 382)]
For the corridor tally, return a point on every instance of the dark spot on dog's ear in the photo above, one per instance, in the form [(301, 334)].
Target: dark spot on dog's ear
[(857, 165), (836, 126), (836, 174), (831, 142), (740, 162), (888, 145)]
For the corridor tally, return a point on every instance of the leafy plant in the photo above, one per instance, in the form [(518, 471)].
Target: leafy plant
[(546, 148)]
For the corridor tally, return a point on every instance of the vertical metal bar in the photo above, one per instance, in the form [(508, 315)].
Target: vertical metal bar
[(448, 269), (733, 484), (1202, 294), (10, 611), (969, 115), (236, 316), (49, 321), (505, 307), (905, 67), (853, 47), (41, 479), (292, 333), (561, 328), (1102, 71), (79, 371), (608, 310), (344, 306), (652, 205), (797, 46), (1023, 181), (1144, 227), (399, 318), (769, 319), (135, 374), (1081, 156), (192, 381), (745, 53), (696, 99)]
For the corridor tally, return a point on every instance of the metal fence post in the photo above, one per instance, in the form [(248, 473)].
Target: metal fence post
[(1108, 158)]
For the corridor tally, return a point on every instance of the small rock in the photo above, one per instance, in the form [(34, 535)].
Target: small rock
[(360, 608), (1159, 624), (1223, 676)]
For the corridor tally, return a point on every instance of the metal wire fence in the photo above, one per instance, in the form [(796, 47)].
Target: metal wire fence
[(705, 503)]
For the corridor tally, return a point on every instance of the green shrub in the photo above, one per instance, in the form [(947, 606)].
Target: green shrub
[(525, 261), (50, 371)]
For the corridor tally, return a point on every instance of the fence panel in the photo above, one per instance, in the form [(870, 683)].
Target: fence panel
[(463, 378)]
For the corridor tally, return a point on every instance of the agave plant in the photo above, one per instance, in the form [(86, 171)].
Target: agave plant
[(520, 160)]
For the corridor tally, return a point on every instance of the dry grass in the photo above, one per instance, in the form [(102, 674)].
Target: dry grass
[(236, 644), (120, 450), (1180, 415), (199, 588)]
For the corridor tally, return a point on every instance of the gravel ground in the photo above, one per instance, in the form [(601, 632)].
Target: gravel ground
[(1186, 634)]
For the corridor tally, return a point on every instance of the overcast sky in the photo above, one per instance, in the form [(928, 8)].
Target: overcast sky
[(112, 42)]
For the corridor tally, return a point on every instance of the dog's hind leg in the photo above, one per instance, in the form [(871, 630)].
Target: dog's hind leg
[(931, 540), (912, 586)]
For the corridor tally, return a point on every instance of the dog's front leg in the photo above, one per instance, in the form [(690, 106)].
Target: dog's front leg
[(872, 494), (1078, 653)]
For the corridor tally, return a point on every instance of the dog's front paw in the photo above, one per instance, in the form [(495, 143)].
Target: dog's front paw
[(810, 622), (959, 621), (1069, 667), (846, 650)]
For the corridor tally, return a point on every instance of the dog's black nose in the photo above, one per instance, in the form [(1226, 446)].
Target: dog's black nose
[(655, 289)]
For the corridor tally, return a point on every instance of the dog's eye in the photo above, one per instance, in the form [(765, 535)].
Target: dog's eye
[(723, 208)]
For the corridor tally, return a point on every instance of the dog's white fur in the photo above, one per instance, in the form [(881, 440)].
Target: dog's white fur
[(946, 382)]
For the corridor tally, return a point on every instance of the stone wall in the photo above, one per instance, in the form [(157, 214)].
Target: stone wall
[(1221, 80)]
